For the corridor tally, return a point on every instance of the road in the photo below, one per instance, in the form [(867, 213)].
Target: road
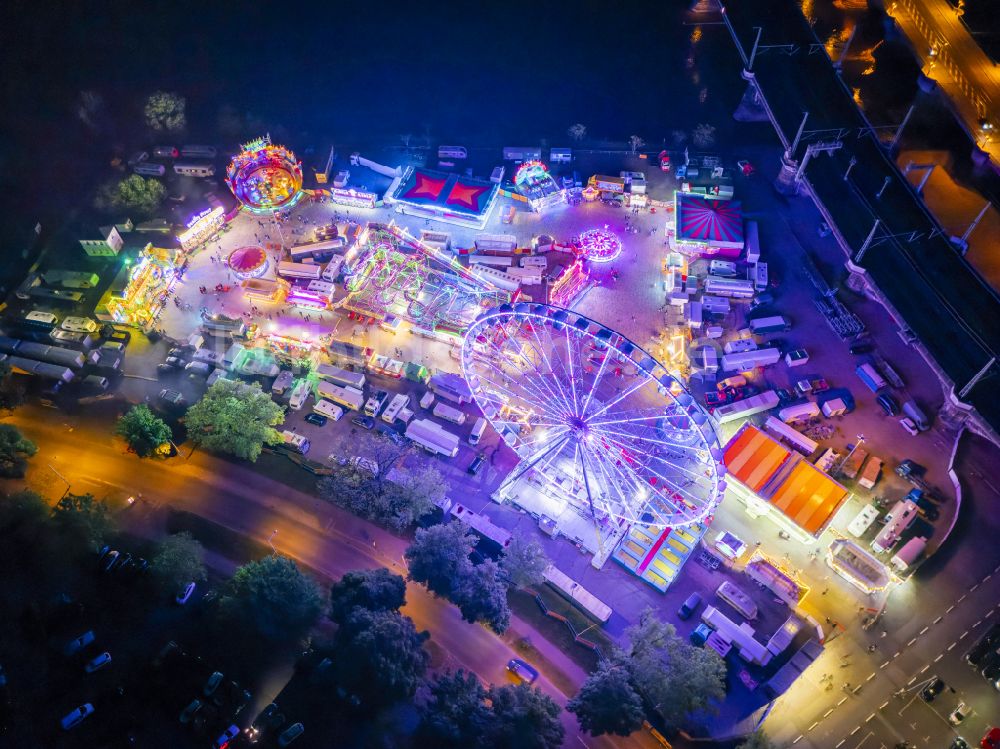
[(324, 538), (930, 622), (958, 64)]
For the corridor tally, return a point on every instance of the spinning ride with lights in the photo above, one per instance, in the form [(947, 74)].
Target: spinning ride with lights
[(265, 177), (593, 415), (248, 262), (599, 245)]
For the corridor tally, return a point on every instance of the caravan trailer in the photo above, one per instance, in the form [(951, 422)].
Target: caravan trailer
[(194, 169)]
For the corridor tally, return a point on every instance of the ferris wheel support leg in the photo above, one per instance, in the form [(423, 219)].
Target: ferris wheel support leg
[(500, 495)]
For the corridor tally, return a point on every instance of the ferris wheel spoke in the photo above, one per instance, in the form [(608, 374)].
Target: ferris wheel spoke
[(622, 396), (541, 349), (593, 387), (656, 441), (520, 395), (625, 487), (542, 381), (572, 375), (618, 443)]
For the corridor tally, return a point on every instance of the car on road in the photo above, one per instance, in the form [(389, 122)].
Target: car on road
[(75, 718), (934, 687), (187, 714), (365, 422), (988, 642), (909, 425), (888, 404), (171, 397), (185, 595), (526, 673), (960, 713), (99, 662), (226, 736), (316, 419)]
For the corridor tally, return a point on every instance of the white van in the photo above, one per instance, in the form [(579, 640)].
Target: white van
[(863, 521), (299, 394), (477, 430), (722, 268), (296, 442), (328, 409), (282, 382), (427, 400)]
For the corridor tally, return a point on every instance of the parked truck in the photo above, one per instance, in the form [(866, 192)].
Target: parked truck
[(433, 437), (774, 324)]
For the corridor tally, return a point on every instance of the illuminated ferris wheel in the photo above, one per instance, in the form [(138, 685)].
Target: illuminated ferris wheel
[(596, 421)]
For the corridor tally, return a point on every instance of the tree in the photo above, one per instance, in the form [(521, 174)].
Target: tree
[(134, 193), (577, 132), (676, 678), (418, 492), (481, 595), (165, 112), (679, 137), (756, 740), (523, 717), (275, 597), (703, 136), (635, 143), (455, 715), (144, 431), (15, 449), (381, 656), (82, 515), (90, 110), (607, 702), (179, 560), (439, 556), (235, 418), (372, 590), (11, 389), (524, 561)]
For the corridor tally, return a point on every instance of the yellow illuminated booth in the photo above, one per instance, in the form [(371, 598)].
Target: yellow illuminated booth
[(140, 292)]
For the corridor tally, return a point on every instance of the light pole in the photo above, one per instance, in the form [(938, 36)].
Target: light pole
[(273, 550), (61, 477), (859, 443)]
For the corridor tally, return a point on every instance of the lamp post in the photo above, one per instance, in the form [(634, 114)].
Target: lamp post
[(859, 443), (273, 550), (68, 485)]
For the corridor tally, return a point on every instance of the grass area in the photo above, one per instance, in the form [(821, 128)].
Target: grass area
[(523, 605), (215, 537)]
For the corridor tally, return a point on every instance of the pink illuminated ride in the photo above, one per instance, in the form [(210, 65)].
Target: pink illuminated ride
[(265, 177)]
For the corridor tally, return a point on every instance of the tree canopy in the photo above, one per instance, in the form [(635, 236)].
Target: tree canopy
[(83, 516), (607, 702), (756, 740), (164, 112), (12, 390), (374, 590), (481, 595), (381, 658), (144, 431), (179, 560), (235, 418), (275, 597), (135, 194), (439, 555), (523, 717), (675, 677), (523, 561), (15, 449), (455, 714)]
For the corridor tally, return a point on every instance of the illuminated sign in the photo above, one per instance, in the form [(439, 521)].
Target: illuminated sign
[(345, 196)]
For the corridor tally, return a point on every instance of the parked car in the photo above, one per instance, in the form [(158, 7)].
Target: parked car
[(960, 713), (188, 713), (75, 646), (888, 404), (522, 670), (212, 684), (316, 419), (175, 362), (909, 425), (934, 687), (226, 736), (365, 422), (198, 368), (687, 609), (991, 740), (171, 397), (987, 643), (180, 352), (162, 370), (477, 464), (99, 662), (185, 595), (75, 718), (290, 734)]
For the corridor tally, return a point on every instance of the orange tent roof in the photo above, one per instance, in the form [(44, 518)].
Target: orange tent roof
[(752, 458), (809, 497)]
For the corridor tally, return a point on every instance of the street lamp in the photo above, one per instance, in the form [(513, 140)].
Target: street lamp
[(61, 477), (859, 443), (273, 550)]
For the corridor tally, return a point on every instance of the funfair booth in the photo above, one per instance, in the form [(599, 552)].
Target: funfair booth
[(533, 181), (140, 292), (201, 227), (706, 226), (265, 177), (440, 196)]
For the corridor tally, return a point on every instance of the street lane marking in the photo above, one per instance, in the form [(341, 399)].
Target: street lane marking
[(869, 717), (911, 642), (952, 646), (882, 706), (884, 664), (912, 680), (812, 726), (840, 744), (870, 677), (939, 658), (937, 620), (926, 628), (797, 740), (986, 579), (964, 596), (854, 731), (973, 588), (827, 713), (963, 635), (949, 609), (897, 654), (924, 669), (977, 624), (842, 701)]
